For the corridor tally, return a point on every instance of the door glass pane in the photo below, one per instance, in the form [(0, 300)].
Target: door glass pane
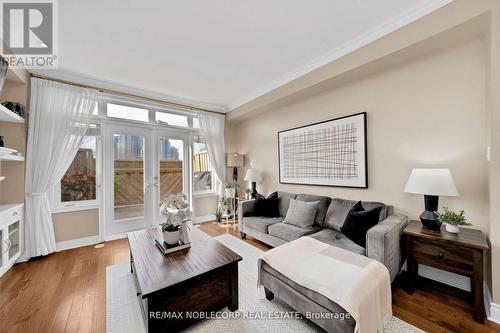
[(14, 239), (171, 165), (129, 176)]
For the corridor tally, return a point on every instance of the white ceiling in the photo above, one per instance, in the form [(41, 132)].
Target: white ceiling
[(219, 53)]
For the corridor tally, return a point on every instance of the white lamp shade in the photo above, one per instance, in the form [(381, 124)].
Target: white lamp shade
[(431, 182), (253, 175)]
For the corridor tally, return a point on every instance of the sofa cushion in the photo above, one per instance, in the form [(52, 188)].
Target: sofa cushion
[(358, 222), (284, 202), (339, 208), (324, 202), (289, 232), (266, 206), (336, 238), (260, 223), (301, 213)]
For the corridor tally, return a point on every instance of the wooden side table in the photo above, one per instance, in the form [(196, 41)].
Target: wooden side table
[(460, 253)]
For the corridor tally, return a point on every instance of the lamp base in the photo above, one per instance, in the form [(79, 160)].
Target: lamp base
[(430, 221), (429, 218), (253, 192)]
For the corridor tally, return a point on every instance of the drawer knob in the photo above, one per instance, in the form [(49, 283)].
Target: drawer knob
[(440, 255)]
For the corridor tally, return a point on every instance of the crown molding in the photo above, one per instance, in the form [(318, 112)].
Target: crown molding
[(114, 86), (368, 37)]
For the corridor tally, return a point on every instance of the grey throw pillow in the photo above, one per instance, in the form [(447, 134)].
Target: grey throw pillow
[(301, 214)]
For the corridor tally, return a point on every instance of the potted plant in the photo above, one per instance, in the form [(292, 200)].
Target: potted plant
[(231, 187), (176, 211), (218, 214), (247, 193), (452, 220), (222, 208)]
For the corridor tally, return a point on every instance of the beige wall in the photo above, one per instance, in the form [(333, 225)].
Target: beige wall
[(493, 107), (204, 205), (432, 94), (72, 225), (429, 112)]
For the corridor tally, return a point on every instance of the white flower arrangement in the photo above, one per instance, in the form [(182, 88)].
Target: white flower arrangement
[(176, 210)]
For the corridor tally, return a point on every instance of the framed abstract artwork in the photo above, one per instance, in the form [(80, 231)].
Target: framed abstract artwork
[(329, 153)]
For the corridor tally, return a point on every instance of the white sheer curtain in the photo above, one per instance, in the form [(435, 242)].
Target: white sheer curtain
[(212, 129), (58, 119)]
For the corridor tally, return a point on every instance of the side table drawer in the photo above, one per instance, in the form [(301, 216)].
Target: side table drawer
[(449, 257)]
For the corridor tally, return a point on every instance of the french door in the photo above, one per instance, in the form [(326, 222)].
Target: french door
[(142, 166), (171, 166)]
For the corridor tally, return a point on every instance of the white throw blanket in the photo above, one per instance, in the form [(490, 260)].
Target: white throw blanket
[(357, 283)]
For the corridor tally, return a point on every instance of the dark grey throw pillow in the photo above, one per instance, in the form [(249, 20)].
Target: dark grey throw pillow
[(358, 222), (301, 214), (266, 206)]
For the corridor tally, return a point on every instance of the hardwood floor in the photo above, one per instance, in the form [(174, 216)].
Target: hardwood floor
[(63, 292), (66, 292)]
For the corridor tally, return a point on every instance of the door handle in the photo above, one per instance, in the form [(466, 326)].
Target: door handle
[(9, 244), (155, 184)]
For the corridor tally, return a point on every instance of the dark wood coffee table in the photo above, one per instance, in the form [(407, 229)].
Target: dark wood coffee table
[(177, 289)]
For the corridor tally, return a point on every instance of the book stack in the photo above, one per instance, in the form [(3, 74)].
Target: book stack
[(165, 248)]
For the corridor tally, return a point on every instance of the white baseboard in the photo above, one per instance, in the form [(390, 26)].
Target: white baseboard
[(451, 279), (494, 313), (462, 282), (116, 236), (492, 309), (78, 242), (204, 218)]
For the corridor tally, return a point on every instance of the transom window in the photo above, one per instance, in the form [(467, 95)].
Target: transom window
[(127, 112), (163, 118)]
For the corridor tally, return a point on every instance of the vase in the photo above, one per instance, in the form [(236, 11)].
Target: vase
[(230, 192), (172, 237), (452, 228)]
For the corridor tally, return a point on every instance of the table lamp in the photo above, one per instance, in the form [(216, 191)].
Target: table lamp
[(431, 183), (253, 176)]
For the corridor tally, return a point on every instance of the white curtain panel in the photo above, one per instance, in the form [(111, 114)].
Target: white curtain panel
[(212, 129), (59, 116)]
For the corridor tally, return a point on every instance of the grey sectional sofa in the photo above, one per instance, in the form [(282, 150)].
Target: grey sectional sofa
[(382, 241)]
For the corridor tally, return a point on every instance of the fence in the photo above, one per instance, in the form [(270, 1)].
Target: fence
[(129, 181)]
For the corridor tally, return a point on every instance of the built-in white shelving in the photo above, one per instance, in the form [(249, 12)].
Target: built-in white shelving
[(9, 116), (5, 157)]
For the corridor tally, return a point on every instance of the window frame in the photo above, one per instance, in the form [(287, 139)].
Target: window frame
[(189, 133), (213, 190), (58, 206)]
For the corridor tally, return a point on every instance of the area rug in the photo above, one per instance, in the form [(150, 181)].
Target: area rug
[(124, 315)]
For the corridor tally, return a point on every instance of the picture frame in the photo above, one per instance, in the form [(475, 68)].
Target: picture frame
[(328, 153)]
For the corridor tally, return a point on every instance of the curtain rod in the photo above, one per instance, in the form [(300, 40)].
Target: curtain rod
[(110, 91)]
